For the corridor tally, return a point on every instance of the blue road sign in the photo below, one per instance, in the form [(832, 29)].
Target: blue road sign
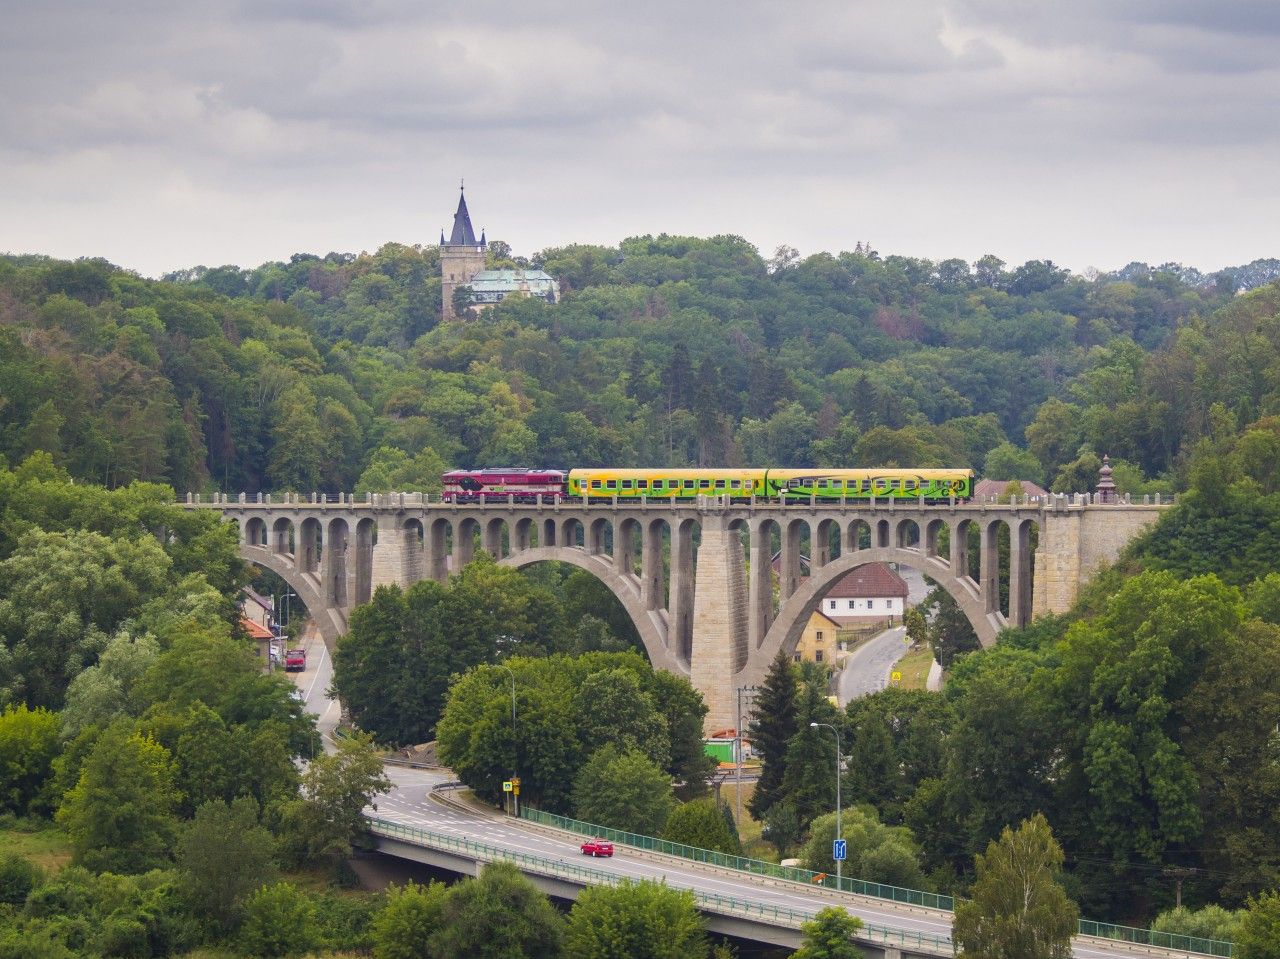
[(838, 850)]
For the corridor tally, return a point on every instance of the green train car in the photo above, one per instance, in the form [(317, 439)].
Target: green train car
[(781, 485)]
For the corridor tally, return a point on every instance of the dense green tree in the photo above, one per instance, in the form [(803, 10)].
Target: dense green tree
[(644, 920), (774, 721), (28, 746), (782, 827), (829, 935), (500, 914), (1208, 922), (105, 690), (809, 783), (402, 929), (280, 920), (1007, 462), (700, 823), (1259, 933), (223, 855), (624, 791), (876, 852), (1018, 907), (18, 876), (950, 632), (614, 710), (119, 817), (393, 470), (325, 821)]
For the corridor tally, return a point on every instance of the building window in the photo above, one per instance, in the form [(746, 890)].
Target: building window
[(870, 603), (853, 604), (797, 657), (888, 604), (832, 604), (817, 657), (818, 636)]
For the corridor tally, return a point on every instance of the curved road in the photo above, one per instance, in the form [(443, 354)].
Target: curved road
[(409, 802), (866, 669)]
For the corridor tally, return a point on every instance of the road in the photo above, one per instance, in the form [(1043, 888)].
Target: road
[(314, 681), (867, 668)]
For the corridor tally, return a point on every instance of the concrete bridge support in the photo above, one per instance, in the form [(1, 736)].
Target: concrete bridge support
[(703, 596)]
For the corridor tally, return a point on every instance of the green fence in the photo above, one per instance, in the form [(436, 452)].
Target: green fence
[(758, 867), (1145, 937), (586, 875), (1160, 940)]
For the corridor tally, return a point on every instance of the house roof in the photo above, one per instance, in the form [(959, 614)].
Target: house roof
[(255, 630), (874, 580), (253, 595), (819, 614), (987, 488)]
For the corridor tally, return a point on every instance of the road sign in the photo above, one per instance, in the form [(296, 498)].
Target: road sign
[(506, 787), (838, 850), (895, 677)]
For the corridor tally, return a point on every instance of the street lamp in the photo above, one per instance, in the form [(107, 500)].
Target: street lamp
[(839, 834), (515, 785)]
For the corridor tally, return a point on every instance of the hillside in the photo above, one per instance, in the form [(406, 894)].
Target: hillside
[(334, 373)]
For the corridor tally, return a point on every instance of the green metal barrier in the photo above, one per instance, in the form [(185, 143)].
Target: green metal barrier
[(916, 897), (1160, 940), (758, 867), (711, 902)]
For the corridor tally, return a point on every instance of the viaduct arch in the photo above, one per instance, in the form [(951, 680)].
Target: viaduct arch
[(696, 579)]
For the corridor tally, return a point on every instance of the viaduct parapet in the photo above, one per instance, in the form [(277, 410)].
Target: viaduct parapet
[(696, 578)]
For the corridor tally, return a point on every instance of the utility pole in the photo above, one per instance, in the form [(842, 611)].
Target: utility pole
[(1178, 873), (737, 730), (515, 765), (839, 832)]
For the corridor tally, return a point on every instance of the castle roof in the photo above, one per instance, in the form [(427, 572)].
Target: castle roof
[(490, 286), (463, 234)]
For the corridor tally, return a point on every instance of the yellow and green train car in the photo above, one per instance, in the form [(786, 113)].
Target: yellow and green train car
[(782, 485)]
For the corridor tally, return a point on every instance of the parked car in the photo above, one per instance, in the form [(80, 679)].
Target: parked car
[(597, 847)]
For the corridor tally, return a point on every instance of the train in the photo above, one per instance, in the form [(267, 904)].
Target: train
[(601, 484)]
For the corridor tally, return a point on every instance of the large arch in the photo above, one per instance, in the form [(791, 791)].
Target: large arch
[(649, 623), (796, 610), (332, 623)]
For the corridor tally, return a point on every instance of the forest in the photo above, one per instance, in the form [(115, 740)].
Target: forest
[(333, 374)]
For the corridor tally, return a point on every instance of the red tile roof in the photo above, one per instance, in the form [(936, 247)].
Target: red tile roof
[(873, 581), (255, 630)]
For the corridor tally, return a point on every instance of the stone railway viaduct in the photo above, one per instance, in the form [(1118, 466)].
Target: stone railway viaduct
[(696, 578)]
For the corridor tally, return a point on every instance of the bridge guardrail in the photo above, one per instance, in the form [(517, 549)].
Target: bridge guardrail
[(713, 902), (758, 867), (915, 897)]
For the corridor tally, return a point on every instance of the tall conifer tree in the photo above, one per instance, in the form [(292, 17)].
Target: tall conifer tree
[(773, 724)]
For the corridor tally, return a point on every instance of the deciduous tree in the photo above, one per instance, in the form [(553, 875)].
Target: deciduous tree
[(1018, 906), (644, 920)]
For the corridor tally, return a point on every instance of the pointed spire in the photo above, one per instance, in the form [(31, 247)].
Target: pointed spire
[(463, 234), (442, 237), (483, 241)]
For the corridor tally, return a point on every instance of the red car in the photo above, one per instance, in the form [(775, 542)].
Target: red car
[(597, 847), (495, 485)]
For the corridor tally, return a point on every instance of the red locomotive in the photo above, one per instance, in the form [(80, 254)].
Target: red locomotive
[(495, 485)]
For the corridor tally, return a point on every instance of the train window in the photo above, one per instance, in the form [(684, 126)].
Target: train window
[(895, 484), (735, 484), (704, 484), (864, 486), (642, 484), (626, 484), (595, 484), (688, 484), (611, 484), (719, 484), (882, 484), (909, 484)]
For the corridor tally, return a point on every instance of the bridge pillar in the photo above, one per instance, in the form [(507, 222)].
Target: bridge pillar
[(990, 564), (1019, 573), (652, 593), (719, 621), (680, 594), (435, 547), (390, 563), (464, 544), (789, 561), (760, 586), (624, 547)]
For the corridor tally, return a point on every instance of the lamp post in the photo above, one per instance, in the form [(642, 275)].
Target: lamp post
[(839, 833), (515, 785)]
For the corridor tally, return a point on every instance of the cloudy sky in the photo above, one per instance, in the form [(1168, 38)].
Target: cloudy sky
[(162, 135)]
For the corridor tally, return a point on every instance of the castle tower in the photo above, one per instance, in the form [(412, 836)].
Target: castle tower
[(461, 258)]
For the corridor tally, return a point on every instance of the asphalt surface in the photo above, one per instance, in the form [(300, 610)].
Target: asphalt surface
[(868, 667)]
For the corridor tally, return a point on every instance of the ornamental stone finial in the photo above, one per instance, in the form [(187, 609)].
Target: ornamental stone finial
[(1106, 490)]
